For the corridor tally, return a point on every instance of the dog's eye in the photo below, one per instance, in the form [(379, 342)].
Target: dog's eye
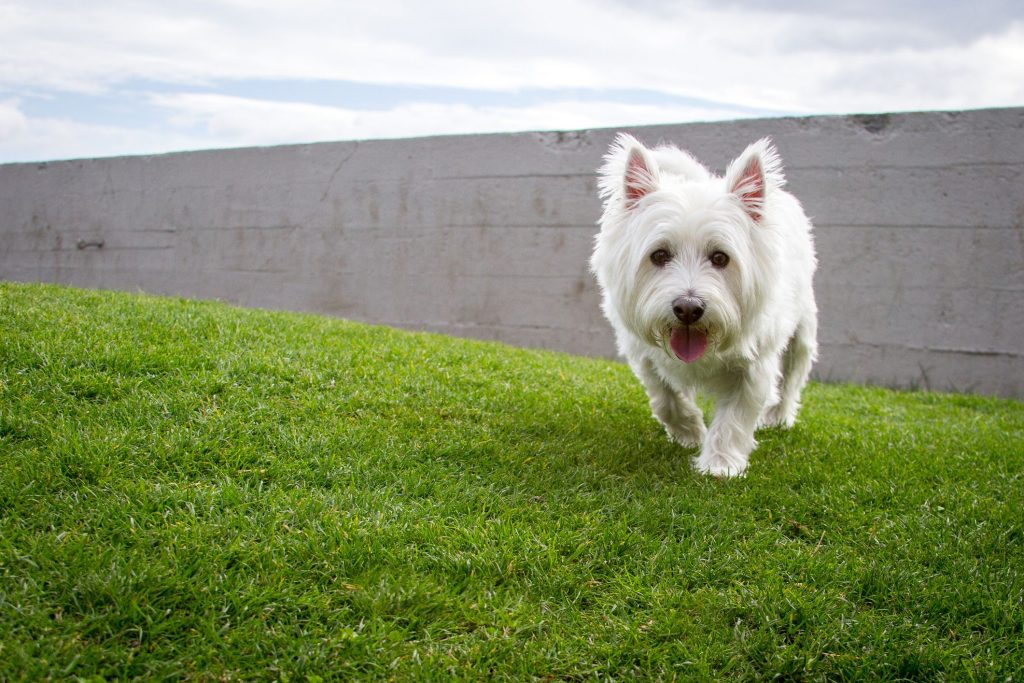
[(660, 258), (719, 259)]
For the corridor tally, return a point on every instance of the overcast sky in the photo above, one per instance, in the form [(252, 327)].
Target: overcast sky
[(83, 79)]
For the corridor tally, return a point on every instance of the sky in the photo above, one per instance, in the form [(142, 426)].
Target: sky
[(114, 77)]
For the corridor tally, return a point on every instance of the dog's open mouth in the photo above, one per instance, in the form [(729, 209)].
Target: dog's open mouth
[(688, 343)]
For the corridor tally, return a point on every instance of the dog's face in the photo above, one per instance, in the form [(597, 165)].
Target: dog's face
[(679, 258)]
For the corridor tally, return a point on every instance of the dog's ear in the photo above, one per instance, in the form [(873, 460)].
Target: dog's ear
[(641, 175), (754, 174), (629, 171)]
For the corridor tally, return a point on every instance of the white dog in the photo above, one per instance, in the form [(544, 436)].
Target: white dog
[(707, 282)]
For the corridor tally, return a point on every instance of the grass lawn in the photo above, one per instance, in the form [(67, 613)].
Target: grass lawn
[(194, 491)]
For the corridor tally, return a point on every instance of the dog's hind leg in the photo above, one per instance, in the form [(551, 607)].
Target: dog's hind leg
[(677, 412), (797, 359)]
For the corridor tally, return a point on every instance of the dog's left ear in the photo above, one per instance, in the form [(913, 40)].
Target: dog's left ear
[(754, 174)]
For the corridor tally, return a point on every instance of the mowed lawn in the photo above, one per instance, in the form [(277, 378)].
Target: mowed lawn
[(194, 491)]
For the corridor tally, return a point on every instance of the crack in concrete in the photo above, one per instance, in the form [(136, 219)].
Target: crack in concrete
[(341, 164)]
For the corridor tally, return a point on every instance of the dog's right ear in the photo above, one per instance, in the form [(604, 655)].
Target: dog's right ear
[(641, 175), (629, 171)]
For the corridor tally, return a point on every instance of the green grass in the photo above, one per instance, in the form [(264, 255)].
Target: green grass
[(194, 491)]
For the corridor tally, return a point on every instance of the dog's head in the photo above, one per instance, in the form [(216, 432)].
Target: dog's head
[(682, 254)]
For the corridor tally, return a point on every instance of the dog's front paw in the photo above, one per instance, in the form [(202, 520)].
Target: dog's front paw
[(777, 416), (721, 466), (689, 435)]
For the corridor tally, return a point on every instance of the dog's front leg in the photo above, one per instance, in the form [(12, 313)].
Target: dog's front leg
[(677, 412), (731, 437)]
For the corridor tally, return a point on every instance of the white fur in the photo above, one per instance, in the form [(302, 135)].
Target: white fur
[(760, 318)]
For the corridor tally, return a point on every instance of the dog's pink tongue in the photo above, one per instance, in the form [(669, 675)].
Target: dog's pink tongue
[(688, 344)]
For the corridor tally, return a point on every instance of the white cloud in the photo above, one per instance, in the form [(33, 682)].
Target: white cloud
[(247, 121), (12, 122), (808, 58), (762, 57), (197, 121), (987, 72), (23, 138)]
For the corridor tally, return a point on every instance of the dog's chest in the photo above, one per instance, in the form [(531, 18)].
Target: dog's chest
[(712, 373)]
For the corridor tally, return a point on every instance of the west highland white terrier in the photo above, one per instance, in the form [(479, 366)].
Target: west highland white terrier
[(707, 281)]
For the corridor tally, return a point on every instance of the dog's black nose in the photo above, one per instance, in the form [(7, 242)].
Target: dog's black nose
[(688, 309)]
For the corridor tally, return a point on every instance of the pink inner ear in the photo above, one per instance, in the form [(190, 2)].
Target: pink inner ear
[(638, 177), (749, 187)]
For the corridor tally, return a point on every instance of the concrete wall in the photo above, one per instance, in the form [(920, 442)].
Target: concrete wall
[(920, 234)]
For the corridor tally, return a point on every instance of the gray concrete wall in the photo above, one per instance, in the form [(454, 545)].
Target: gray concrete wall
[(919, 218)]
